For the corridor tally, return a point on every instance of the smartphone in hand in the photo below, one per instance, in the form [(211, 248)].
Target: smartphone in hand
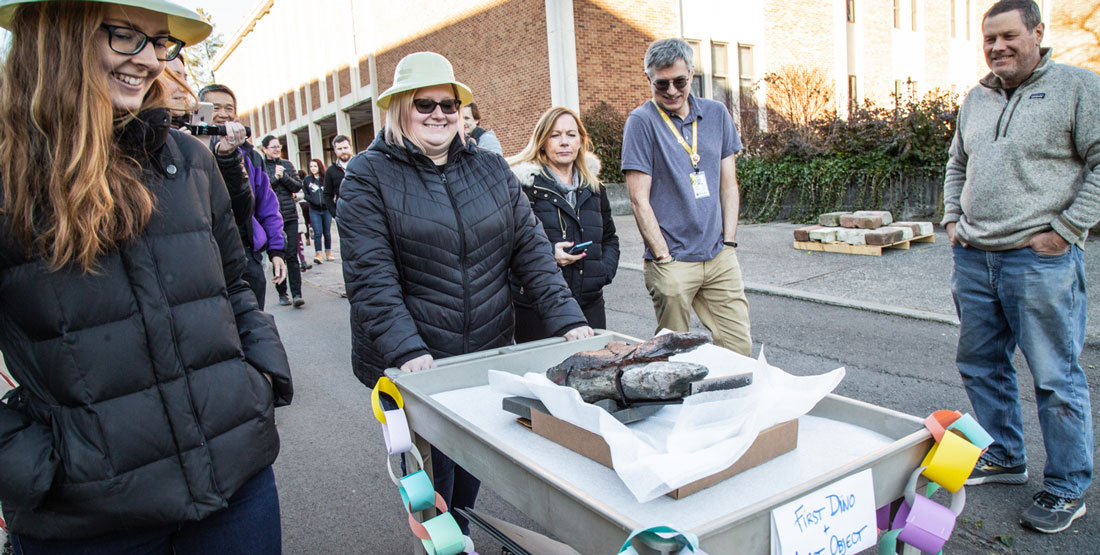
[(579, 247)]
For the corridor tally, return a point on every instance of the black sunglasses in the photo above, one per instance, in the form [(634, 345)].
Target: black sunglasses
[(680, 83), (130, 41), (427, 105)]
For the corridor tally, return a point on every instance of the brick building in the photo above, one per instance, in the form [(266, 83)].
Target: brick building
[(306, 70)]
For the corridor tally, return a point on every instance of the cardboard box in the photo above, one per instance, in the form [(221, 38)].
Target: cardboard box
[(769, 444)]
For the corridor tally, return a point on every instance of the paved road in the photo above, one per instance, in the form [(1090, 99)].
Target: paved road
[(336, 497)]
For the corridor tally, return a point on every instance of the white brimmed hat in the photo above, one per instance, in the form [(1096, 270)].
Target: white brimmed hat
[(183, 24), (423, 69)]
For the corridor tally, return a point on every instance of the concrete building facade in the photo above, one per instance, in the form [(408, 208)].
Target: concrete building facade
[(305, 70)]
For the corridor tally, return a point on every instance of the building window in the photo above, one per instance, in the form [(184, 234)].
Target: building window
[(897, 14), (745, 71), (953, 35), (697, 64), (720, 69), (853, 95), (914, 15), (851, 4)]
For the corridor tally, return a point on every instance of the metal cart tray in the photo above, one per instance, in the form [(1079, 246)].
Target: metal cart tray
[(585, 504)]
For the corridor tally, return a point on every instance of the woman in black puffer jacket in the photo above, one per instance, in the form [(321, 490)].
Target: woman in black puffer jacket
[(430, 227), (558, 174), (144, 417)]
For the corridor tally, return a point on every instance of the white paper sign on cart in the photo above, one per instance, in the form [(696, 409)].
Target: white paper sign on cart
[(838, 519)]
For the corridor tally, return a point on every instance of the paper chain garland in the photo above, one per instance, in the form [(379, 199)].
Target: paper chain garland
[(921, 522), (440, 534)]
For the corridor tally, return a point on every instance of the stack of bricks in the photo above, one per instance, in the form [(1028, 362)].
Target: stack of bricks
[(863, 227)]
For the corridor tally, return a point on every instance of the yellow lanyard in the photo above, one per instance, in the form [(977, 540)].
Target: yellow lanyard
[(692, 150)]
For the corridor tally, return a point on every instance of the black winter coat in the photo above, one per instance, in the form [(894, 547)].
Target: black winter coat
[(285, 187), (334, 175), (141, 400), (427, 253), (591, 220)]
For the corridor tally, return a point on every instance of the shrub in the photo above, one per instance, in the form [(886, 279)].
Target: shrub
[(605, 128), (801, 168)]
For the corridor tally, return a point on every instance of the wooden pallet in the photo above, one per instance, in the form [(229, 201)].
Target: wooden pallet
[(869, 250)]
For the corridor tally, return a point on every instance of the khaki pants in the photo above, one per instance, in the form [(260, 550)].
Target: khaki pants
[(713, 288)]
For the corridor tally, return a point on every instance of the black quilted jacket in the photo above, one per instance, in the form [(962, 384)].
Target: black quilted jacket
[(141, 399), (427, 252), (591, 220)]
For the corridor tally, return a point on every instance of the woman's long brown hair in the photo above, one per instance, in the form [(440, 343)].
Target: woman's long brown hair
[(69, 192)]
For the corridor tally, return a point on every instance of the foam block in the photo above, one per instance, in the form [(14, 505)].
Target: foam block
[(906, 232), (884, 236), (803, 233), (852, 236), (887, 218), (824, 235), (832, 219), (919, 228), (860, 222)]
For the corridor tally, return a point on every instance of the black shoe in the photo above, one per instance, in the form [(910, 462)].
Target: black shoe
[(1051, 514), (284, 301), (986, 472), (298, 302)]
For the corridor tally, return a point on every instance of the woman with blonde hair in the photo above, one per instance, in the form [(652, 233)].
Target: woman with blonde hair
[(557, 171), (143, 421), (430, 228)]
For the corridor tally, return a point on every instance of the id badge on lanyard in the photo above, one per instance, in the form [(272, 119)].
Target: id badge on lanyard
[(697, 177), (699, 184)]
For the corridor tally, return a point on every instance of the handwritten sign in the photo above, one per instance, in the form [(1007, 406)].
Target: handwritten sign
[(838, 519)]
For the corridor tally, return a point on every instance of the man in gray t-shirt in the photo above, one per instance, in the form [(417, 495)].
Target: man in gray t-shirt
[(678, 157)]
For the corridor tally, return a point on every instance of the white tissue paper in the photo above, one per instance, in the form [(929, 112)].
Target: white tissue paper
[(684, 443)]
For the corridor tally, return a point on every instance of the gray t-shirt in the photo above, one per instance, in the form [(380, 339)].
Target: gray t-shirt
[(692, 227)]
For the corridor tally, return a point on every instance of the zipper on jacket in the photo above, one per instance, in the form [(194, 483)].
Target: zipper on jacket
[(462, 264)]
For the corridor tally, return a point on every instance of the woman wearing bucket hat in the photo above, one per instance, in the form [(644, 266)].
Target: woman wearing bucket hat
[(430, 227), (143, 421)]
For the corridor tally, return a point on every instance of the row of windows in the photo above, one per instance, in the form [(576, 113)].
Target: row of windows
[(719, 69), (898, 10)]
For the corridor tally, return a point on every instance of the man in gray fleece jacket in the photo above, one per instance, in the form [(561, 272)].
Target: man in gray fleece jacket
[(1022, 189)]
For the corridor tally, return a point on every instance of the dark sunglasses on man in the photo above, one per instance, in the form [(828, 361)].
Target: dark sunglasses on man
[(680, 83), (129, 41), (427, 105)]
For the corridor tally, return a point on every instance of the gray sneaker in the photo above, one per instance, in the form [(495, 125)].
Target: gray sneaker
[(986, 472), (1051, 514)]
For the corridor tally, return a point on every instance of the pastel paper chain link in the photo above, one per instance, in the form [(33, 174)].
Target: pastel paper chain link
[(440, 534)]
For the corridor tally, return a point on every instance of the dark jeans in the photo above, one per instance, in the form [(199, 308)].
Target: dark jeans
[(293, 268), (250, 525), (457, 487), (529, 325), (254, 275), (322, 222)]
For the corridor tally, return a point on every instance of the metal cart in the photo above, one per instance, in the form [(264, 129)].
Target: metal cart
[(586, 506)]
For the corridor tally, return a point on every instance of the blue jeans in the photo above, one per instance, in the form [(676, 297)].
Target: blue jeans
[(321, 221), (1021, 298), (250, 525)]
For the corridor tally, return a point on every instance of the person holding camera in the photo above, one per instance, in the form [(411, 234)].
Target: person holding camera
[(557, 171), (266, 230), (148, 376)]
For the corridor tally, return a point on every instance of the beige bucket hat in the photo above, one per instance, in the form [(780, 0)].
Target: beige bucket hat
[(423, 69), (183, 24)]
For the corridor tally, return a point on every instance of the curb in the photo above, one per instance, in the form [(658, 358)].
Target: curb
[(777, 291)]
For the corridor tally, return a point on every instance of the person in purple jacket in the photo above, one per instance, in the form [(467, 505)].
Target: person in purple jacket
[(267, 224)]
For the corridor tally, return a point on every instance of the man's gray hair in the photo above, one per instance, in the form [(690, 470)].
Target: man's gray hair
[(664, 53), (1029, 11)]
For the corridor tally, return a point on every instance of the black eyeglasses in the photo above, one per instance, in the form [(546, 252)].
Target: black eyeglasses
[(680, 83), (130, 41), (427, 105)]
